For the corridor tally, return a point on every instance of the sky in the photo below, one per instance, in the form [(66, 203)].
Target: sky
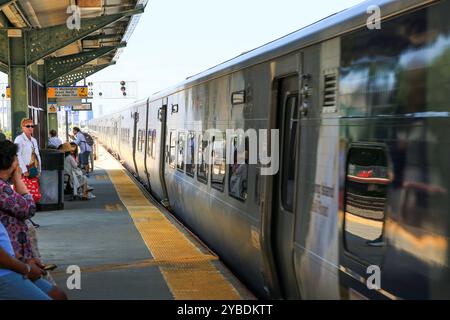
[(177, 38)]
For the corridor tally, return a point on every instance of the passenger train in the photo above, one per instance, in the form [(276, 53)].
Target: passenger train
[(360, 205)]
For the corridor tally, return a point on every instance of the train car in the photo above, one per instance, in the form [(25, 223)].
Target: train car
[(358, 207)]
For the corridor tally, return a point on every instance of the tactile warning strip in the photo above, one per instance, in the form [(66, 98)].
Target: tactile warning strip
[(188, 272)]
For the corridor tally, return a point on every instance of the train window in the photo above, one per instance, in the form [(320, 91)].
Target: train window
[(203, 167), (190, 154), (218, 161), (181, 147), (366, 188), (289, 152), (173, 148), (150, 143), (141, 140), (238, 172), (154, 143)]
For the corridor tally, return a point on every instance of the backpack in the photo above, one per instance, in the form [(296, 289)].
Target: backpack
[(89, 139)]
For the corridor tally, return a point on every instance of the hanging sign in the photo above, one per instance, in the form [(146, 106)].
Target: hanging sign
[(67, 92), (82, 107)]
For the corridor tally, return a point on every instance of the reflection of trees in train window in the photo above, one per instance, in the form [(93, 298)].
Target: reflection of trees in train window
[(181, 146), (172, 148), (289, 152), (190, 154), (238, 171), (203, 167), (218, 165), (366, 187)]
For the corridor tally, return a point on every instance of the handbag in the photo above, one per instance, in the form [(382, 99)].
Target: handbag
[(33, 166), (32, 185)]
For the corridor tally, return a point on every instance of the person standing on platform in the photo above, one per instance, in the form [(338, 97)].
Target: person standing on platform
[(29, 158), (28, 154)]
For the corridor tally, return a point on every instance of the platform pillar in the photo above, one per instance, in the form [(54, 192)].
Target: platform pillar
[(18, 82)]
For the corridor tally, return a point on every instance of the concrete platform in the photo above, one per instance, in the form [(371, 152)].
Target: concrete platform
[(127, 248)]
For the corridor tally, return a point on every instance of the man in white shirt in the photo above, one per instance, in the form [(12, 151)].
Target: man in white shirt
[(27, 147)]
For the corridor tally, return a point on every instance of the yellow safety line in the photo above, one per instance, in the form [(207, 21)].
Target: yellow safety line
[(190, 274)]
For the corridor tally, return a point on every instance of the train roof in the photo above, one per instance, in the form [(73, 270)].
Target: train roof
[(327, 28), (337, 24)]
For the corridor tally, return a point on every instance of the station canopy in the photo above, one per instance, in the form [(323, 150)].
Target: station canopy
[(70, 54)]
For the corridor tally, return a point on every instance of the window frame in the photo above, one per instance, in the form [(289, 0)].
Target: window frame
[(200, 151), (217, 185), (230, 172), (183, 160), (172, 162), (191, 136)]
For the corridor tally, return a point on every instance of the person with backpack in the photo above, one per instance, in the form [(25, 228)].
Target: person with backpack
[(85, 147)]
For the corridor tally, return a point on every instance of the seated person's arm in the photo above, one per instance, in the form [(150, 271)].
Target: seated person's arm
[(10, 263), (24, 206), (31, 270), (73, 163)]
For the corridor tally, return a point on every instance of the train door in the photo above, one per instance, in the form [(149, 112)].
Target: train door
[(163, 153), (284, 184), (135, 139), (146, 148)]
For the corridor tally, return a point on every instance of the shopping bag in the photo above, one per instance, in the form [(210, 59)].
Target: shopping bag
[(32, 185)]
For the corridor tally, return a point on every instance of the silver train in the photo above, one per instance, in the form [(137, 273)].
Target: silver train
[(360, 205)]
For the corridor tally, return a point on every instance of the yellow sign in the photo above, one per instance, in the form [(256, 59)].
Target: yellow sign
[(67, 92), (8, 92), (52, 108)]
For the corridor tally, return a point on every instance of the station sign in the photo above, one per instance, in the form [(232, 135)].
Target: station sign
[(67, 92), (82, 107)]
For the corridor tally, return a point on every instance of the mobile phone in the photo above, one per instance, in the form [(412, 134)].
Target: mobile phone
[(50, 267)]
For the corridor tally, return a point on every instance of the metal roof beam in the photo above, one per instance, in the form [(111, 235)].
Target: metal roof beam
[(102, 36), (57, 67), (79, 74), (42, 42)]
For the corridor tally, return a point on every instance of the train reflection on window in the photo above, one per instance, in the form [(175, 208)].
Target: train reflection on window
[(238, 172), (190, 154), (141, 140), (289, 152), (153, 155), (172, 148), (181, 146), (218, 162), (365, 202), (151, 148), (150, 143), (203, 167)]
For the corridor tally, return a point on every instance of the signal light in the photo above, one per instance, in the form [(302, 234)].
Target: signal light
[(123, 88)]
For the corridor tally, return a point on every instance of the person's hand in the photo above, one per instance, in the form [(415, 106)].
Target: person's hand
[(35, 272), (36, 261)]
